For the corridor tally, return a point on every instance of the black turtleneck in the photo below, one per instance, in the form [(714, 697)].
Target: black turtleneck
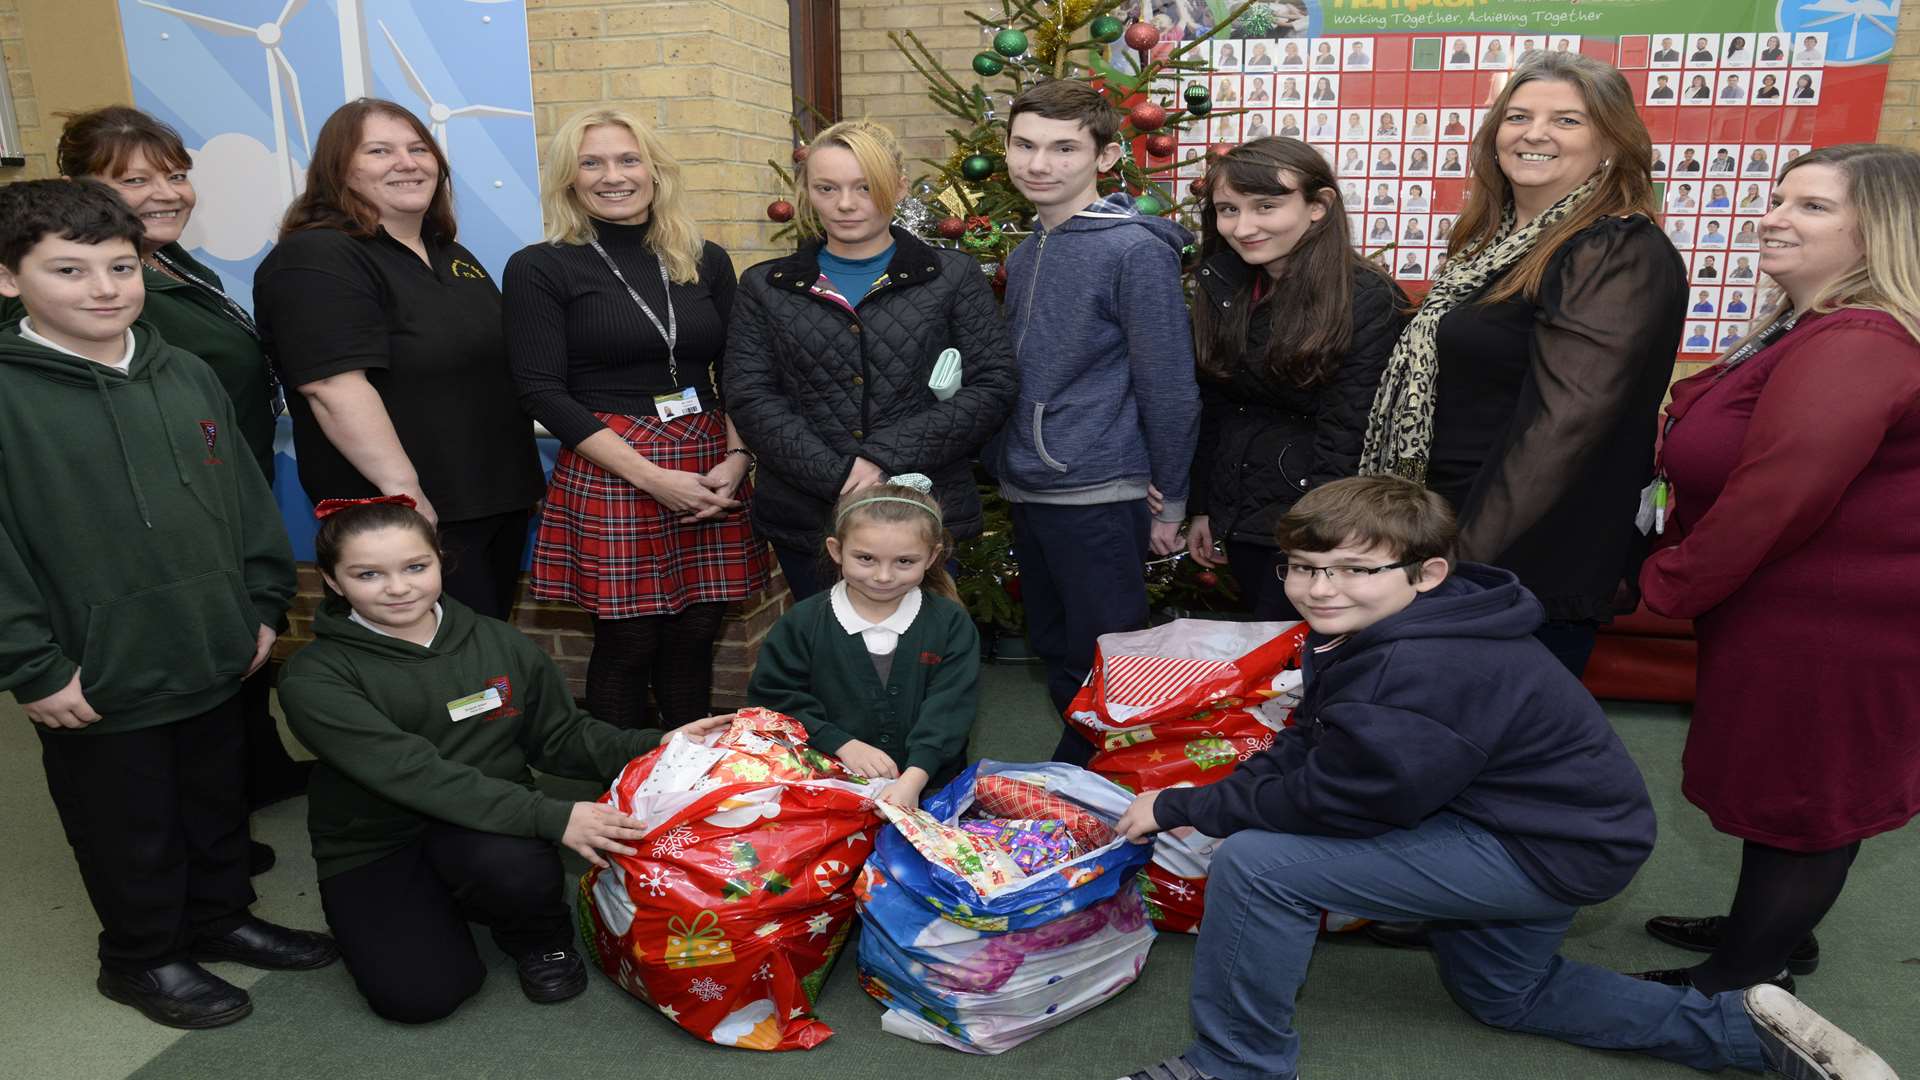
[(578, 344)]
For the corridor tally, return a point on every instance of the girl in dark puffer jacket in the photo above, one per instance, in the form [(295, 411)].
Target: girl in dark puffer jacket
[(830, 350), (1291, 330)]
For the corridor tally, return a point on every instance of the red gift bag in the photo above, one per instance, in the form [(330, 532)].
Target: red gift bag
[(730, 914), (1178, 705)]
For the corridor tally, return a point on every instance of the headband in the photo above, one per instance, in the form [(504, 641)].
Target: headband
[(326, 508), (919, 482)]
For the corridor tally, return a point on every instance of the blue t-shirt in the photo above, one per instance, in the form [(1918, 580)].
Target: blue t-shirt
[(854, 278)]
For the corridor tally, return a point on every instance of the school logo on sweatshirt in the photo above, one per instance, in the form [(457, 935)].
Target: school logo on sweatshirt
[(210, 432), (505, 686)]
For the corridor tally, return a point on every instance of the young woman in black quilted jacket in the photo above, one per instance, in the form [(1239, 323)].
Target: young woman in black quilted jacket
[(831, 348), (1291, 329)]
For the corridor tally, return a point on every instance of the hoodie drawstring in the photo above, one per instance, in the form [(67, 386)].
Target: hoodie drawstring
[(126, 457)]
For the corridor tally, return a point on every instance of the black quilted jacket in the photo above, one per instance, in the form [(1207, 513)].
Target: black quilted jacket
[(1265, 442), (811, 385)]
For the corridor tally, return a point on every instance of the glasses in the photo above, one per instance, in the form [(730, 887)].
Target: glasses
[(1302, 572)]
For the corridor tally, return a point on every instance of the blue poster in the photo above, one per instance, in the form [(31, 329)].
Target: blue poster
[(248, 83)]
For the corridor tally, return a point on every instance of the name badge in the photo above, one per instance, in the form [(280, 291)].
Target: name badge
[(473, 704), (679, 403)]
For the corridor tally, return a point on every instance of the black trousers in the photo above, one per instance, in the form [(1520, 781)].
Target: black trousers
[(157, 819), (482, 567), (807, 572), (1261, 591), (401, 921), (1081, 576)]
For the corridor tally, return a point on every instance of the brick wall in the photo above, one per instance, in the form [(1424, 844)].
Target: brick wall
[(712, 76), (1900, 114), (877, 82), (36, 140)]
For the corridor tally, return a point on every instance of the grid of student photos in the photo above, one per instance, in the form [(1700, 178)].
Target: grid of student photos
[(1394, 115)]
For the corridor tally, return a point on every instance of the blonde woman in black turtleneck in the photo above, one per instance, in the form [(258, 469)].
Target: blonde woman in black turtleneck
[(615, 327)]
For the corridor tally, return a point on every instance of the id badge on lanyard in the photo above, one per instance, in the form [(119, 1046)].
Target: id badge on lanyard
[(686, 400)]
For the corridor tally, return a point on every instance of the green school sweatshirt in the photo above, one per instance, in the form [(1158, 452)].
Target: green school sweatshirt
[(814, 671), (138, 541), (194, 320), (373, 709)]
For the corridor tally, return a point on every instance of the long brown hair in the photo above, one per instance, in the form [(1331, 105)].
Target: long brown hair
[(100, 142), (328, 203), (1625, 180), (1310, 306)]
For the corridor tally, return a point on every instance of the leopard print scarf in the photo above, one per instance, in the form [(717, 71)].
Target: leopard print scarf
[(1400, 426)]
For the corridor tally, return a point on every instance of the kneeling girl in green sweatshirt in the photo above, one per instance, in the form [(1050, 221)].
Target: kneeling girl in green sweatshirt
[(884, 668), (426, 718)]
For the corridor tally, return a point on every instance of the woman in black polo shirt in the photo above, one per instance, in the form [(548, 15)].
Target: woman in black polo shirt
[(615, 325), (389, 331)]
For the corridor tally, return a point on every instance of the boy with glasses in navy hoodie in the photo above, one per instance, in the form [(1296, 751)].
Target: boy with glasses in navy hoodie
[(1108, 411), (1441, 765)]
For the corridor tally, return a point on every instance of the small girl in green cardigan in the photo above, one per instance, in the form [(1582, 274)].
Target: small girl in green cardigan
[(884, 668)]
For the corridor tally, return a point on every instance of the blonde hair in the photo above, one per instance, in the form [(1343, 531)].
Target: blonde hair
[(673, 236), (897, 504), (878, 153), (1625, 184), (1883, 184)]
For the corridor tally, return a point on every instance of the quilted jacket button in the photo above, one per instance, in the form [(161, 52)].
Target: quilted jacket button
[(853, 328), (858, 434), (858, 381)]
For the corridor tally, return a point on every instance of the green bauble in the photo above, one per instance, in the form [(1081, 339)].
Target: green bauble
[(977, 167), (1106, 28), (1197, 92), (1199, 108), (1009, 43), (1150, 205), (988, 65)]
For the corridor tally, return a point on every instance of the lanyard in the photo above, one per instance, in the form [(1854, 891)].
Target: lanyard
[(234, 312), (671, 331)]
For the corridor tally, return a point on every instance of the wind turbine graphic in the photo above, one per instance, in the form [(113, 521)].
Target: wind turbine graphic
[(437, 113), (1872, 11), (269, 35)]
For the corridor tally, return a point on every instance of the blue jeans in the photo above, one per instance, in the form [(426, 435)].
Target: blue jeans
[(1081, 575), (1497, 957)]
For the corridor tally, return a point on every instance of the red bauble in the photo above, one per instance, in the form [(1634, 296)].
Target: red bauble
[(1162, 146), (1000, 281), (1207, 579), (799, 154), (1142, 36), (1198, 187), (951, 228), (1147, 116), (1220, 149), (1012, 586), (780, 210)]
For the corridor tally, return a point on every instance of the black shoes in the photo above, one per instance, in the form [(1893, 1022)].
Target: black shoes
[(181, 995), (1703, 935), (1800, 1043), (1684, 977), (261, 944), (552, 975), (1400, 935)]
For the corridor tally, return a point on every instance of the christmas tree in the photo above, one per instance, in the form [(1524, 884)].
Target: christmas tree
[(968, 201)]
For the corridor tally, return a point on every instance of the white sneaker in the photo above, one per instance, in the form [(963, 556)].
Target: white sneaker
[(1801, 1044)]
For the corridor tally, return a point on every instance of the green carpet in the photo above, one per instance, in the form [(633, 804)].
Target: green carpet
[(1367, 1012)]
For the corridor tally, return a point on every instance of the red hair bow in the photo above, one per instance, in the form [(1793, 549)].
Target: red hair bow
[(326, 508)]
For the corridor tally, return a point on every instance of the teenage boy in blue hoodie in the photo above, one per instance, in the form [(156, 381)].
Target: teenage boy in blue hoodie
[(1108, 409), (1442, 765), (144, 573)]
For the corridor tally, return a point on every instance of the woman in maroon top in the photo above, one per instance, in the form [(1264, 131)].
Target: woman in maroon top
[(1795, 473)]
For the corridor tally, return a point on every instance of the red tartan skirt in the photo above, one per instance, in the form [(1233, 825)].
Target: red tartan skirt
[(610, 548)]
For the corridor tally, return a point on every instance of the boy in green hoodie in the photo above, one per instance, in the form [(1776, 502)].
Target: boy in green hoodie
[(143, 575)]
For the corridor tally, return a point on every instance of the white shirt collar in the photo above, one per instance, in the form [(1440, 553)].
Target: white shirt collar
[(355, 617), (880, 637), (27, 331)]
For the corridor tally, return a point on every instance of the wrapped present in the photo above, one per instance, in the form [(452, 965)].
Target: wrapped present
[(1034, 845), (983, 970), (1006, 797), (697, 944), (986, 866), (1181, 704), (730, 913)]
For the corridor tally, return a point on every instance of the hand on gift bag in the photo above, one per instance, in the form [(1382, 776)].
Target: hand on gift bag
[(905, 792), (700, 729), (866, 760), (594, 827), (1138, 823)]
